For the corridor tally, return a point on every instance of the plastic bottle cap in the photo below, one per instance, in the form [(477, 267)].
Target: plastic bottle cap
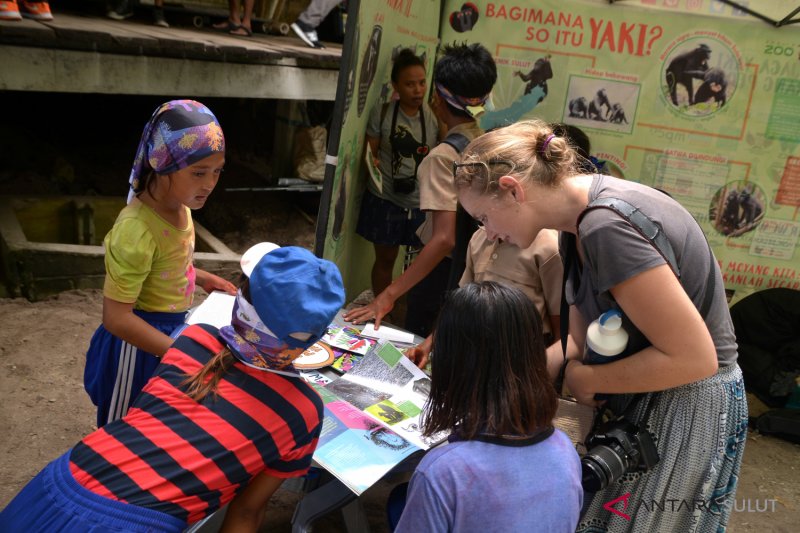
[(610, 322), (605, 336)]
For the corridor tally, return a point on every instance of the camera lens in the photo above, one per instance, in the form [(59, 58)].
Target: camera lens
[(404, 185), (601, 466)]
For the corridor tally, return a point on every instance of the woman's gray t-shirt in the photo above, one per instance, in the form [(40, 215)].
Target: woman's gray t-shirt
[(614, 251)]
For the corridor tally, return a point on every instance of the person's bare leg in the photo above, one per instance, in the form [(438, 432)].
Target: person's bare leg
[(385, 257), (243, 23), (233, 16), (248, 14), (158, 14)]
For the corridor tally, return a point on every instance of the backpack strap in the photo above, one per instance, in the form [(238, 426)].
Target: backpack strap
[(384, 110), (465, 224), (656, 236), (641, 223), (457, 140)]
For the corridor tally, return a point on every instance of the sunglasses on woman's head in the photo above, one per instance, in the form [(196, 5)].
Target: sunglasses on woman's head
[(473, 166)]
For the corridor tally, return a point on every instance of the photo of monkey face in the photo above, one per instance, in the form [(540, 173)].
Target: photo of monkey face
[(699, 76)]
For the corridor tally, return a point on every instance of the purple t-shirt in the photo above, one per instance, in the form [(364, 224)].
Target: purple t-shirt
[(480, 486)]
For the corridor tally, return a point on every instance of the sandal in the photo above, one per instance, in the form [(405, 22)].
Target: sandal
[(225, 26), (241, 31)]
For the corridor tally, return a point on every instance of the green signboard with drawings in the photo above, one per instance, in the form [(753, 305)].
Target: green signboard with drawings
[(690, 96)]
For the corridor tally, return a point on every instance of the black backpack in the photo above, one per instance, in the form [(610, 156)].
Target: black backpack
[(767, 325)]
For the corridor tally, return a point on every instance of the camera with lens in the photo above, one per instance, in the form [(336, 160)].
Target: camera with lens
[(616, 447), (404, 185)]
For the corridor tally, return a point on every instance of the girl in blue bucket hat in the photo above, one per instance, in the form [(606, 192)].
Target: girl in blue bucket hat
[(225, 418), (150, 275)]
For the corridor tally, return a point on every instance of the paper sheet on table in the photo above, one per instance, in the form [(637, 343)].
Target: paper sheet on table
[(387, 333), (215, 310)]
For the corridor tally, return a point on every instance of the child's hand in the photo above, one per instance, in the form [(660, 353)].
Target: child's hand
[(375, 310), (420, 354), (212, 282)]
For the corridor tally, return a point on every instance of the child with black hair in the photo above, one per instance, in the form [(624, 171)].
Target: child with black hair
[(464, 76), (399, 135), (505, 467)]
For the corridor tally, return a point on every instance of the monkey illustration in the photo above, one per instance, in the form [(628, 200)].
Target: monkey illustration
[(538, 75), (390, 414), (730, 212), (595, 110), (617, 114), (684, 68), (405, 146), (578, 107), (751, 209), (341, 202), (369, 65), (714, 87)]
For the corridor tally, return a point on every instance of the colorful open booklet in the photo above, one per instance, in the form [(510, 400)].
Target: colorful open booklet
[(372, 418), (372, 411)]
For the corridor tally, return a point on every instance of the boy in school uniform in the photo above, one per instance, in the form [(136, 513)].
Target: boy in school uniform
[(463, 79)]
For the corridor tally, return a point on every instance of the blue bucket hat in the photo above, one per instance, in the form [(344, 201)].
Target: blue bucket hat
[(291, 291)]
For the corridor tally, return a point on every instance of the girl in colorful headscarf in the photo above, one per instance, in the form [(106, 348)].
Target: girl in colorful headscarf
[(150, 276)]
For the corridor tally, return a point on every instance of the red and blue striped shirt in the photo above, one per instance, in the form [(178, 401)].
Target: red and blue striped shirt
[(187, 458)]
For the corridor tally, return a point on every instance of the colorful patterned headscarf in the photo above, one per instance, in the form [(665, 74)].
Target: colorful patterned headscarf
[(254, 344), (180, 133)]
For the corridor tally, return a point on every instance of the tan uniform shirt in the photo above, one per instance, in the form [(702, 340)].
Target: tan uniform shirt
[(437, 190), (536, 270)]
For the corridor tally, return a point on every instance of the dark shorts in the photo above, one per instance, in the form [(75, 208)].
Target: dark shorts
[(382, 222)]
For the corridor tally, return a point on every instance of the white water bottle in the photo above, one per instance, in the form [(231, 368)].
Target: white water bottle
[(605, 338)]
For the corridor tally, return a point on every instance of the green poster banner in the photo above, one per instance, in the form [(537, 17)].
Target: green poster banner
[(382, 28), (694, 98)]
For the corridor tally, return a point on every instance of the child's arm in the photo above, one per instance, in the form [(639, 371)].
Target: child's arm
[(246, 510), (211, 282), (374, 145), (119, 320), (436, 249)]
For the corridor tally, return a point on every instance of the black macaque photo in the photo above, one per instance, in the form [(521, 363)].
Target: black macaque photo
[(714, 87), (617, 115), (578, 107), (597, 104), (684, 68)]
